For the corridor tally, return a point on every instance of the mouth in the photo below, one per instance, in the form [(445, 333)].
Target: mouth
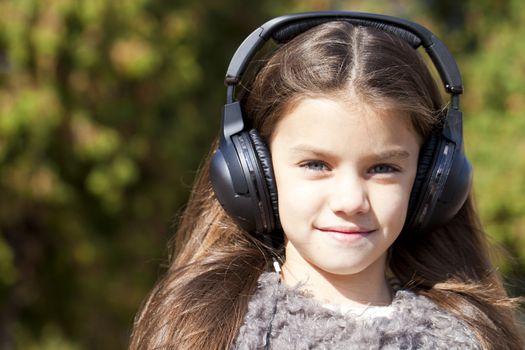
[(346, 230)]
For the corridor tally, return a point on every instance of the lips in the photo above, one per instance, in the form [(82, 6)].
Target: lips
[(347, 230)]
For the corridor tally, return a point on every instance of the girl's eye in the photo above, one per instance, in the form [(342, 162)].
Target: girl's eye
[(383, 169), (314, 165)]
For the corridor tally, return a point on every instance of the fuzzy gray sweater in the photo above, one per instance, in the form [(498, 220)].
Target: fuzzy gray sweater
[(299, 322)]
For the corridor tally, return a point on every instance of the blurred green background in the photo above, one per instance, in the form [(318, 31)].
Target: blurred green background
[(107, 107)]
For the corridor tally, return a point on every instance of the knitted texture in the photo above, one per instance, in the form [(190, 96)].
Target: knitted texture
[(300, 322)]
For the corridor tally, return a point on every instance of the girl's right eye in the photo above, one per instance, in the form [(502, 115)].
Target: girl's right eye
[(315, 166)]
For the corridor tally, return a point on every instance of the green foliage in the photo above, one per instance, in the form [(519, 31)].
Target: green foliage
[(7, 268), (495, 129), (106, 109)]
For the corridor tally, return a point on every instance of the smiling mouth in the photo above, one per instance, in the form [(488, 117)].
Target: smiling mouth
[(345, 230)]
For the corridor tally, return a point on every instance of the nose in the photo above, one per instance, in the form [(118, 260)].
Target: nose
[(349, 195)]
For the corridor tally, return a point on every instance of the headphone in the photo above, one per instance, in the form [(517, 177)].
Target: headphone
[(241, 169)]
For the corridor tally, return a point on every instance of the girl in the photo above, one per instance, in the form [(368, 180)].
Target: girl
[(364, 202)]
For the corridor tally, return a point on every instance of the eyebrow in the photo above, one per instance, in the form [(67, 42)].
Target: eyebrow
[(388, 154), (301, 149), (394, 153)]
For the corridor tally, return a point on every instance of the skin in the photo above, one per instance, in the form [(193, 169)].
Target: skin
[(344, 172)]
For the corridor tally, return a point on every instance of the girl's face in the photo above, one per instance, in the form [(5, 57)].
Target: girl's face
[(344, 173)]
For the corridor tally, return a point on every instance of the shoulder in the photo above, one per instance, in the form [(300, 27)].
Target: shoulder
[(257, 320), (428, 324)]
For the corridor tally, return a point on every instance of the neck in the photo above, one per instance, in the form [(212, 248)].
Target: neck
[(363, 288)]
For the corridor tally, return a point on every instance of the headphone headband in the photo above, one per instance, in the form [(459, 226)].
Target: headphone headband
[(286, 27)]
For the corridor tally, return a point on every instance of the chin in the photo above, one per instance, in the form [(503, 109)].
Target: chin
[(342, 270)]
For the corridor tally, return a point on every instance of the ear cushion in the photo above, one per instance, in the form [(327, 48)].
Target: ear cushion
[(265, 160), (424, 167)]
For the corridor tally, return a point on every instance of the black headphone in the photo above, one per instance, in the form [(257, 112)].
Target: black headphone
[(241, 168)]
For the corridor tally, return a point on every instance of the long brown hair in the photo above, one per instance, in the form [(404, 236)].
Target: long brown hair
[(201, 301)]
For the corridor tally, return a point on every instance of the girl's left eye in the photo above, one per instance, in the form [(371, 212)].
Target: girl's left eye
[(383, 169)]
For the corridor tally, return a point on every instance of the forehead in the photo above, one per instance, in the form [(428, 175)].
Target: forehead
[(344, 124)]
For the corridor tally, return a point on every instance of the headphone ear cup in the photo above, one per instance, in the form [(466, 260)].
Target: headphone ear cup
[(443, 182), (265, 161), (239, 183)]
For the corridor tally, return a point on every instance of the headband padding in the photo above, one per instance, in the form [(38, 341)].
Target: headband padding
[(425, 163), (292, 30), (265, 161)]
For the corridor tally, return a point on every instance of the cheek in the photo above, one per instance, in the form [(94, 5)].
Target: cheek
[(297, 197), (299, 201), (390, 206)]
